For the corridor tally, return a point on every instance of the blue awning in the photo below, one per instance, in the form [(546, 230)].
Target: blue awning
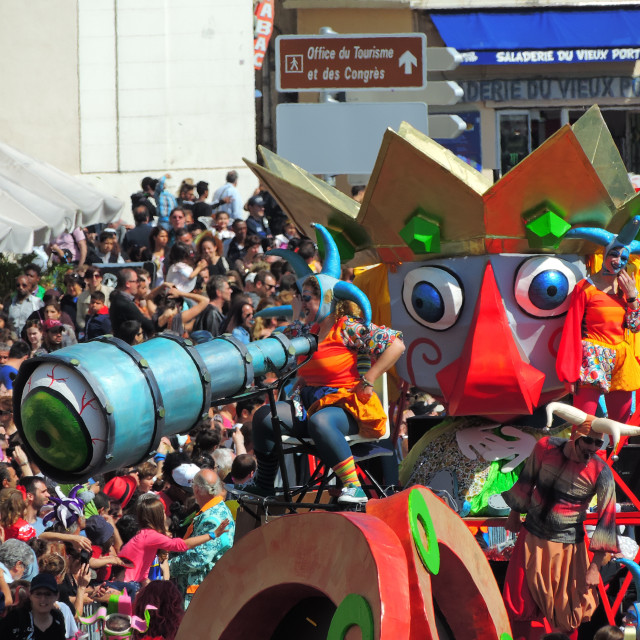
[(542, 37), (479, 31)]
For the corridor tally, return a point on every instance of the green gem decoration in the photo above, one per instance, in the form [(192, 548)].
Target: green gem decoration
[(345, 246), (546, 231), (55, 431), (354, 610), (421, 235)]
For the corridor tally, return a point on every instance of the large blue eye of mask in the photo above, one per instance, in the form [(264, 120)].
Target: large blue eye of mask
[(427, 302), (543, 285), (549, 289), (433, 297)]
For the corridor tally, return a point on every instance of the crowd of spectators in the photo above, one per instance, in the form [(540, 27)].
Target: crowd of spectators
[(188, 266), (173, 271)]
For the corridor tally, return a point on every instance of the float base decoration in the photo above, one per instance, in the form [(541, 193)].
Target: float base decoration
[(483, 459), (408, 568)]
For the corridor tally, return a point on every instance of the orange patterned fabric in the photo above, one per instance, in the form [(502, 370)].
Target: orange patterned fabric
[(372, 420), (332, 365), (595, 321), (335, 366)]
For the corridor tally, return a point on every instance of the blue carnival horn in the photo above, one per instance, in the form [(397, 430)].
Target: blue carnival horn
[(97, 406), (332, 288), (626, 237)]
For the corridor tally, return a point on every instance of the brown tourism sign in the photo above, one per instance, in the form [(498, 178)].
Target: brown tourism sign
[(351, 62)]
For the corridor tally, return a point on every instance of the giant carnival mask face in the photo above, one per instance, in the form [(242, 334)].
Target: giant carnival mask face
[(493, 320)]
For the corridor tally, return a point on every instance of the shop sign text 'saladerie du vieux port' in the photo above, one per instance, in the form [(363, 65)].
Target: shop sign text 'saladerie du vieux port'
[(550, 89), (550, 56)]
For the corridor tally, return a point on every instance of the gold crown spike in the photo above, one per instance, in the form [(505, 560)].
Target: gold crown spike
[(577, 174)]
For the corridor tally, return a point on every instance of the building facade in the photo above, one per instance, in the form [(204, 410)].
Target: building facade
[(525, 71), (113, 90)]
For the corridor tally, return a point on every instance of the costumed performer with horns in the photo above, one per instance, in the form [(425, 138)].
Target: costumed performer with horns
[(331, 399), (595, 356), (549, 573)]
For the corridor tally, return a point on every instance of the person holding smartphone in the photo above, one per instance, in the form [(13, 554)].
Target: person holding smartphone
[(596, 352)]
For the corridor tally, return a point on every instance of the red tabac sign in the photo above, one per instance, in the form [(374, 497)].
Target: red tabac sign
[(262, 30), (351, 62)]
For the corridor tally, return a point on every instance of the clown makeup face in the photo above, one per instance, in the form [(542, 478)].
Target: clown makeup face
[(310, 304), (616, 260)]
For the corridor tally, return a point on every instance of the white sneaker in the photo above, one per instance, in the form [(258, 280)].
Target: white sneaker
[(353, 494)]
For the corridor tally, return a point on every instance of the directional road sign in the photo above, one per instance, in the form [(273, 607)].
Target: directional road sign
[(443, 58), (446, 126), (443, 92), (351, 62)]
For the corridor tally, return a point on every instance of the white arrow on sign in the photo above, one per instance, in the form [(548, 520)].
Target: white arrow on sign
[(408, 60)]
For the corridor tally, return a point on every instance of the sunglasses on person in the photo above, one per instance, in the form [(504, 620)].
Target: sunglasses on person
[(306, 298), (590, 440)]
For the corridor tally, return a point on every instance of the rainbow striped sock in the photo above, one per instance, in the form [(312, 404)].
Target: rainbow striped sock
[(346, 471)]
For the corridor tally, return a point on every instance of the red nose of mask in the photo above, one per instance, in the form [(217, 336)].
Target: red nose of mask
[(490, 377)]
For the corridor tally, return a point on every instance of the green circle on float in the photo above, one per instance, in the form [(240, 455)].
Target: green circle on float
[(419, 518), (54, 431), (354, 610), (505, 636)]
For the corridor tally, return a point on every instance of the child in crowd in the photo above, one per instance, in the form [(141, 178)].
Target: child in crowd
[(97, 321), (242, 469), (222, 226), (609, 633), (12, 511), (102, 537)]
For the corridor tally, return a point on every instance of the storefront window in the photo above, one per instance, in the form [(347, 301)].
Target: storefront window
[(514, 129)]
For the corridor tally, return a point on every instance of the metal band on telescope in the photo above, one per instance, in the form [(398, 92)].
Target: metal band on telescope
[(205, 376), (247, 358), (152, 383), (289, 351)]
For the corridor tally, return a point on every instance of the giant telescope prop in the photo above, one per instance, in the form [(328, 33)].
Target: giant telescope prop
[(94, 407)]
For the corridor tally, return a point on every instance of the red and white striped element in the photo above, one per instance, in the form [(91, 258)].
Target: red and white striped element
[(262, 30)]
